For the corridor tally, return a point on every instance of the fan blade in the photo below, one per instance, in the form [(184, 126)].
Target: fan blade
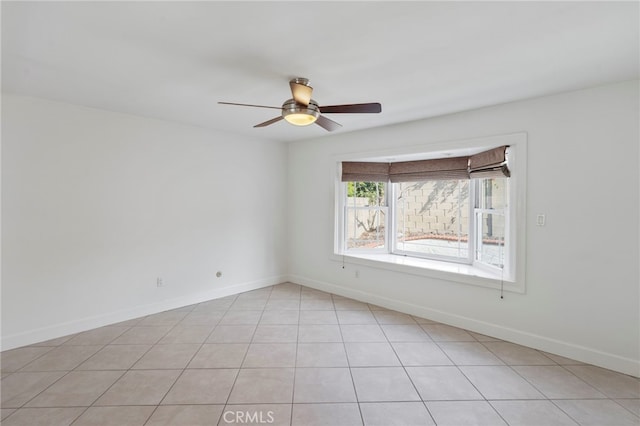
[(328, 125), (269, 122), (372, 108), (250, 105), (301, 92)]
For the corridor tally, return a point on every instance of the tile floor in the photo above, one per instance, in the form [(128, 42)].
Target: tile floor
[(289, 355)]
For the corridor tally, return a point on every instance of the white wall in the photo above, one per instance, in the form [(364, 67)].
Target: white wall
[(97, 205), (582, 287)]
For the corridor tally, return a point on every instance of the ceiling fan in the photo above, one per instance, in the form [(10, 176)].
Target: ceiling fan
[(301, 110)]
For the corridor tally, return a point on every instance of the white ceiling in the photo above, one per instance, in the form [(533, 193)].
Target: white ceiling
[(176, 60)]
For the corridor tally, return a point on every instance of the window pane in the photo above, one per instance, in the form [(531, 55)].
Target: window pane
[(492, 193), (433, 217), (365, 194), (365, 228), (491, 244)]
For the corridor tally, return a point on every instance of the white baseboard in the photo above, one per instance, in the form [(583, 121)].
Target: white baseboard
[(76, 326), (550, 345)]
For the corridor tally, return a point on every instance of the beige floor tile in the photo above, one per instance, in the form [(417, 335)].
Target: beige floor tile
[(420, 354), (19, 388), (142, 335), (211, 386), (597, 412), (282, 305), (346, 414), (187, 334), (392, 317), (183, 415), (307, 293), (221, 304), (99, 336), (241, 317), (314, 385), (115, 357), (232, 334), (258, 294), (115, 416), (381, 384), (219, 355), (5, 412), (362, 333), (280, 317), (469, 353), (15, 359), (532, 413), (442, 383), (561, 360), (276, 334), (319, 333), (513, 354), (316, 304), (265, 355), (557, 383), (611, 383), (344, 304), (371, 355), (483, 338), (164, 318), (76, 389), (172, 356), (208, 318), (405, 333), (43, 416), (140, 387), (464, 413), (321, 355), (278, 294), (62, 358), (500, 382), (356, 317), (446, 333), (267, 414), (248, 305), (395, 414), (632, 405), (263, 386), (318, 317)]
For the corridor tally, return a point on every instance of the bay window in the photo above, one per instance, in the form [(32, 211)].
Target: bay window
[(445, 211)]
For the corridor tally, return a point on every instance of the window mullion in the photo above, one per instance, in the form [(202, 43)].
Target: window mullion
[(391, 216), (473, 203)]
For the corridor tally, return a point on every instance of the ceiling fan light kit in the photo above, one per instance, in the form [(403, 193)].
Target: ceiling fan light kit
[(301, 110), (300, 115)]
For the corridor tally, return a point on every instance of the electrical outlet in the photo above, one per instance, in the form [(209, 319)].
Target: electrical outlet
[(159, 282), (540, 220)]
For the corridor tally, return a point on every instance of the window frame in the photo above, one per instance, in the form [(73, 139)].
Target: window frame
[(510, 278)]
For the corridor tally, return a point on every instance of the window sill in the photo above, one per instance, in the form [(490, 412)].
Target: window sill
[(449, 271)]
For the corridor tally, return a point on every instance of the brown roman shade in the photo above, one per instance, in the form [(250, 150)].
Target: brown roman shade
[(438, 169), (488, 164), (362, 171)]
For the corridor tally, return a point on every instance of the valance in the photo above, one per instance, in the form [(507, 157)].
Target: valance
[(486, 164)]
